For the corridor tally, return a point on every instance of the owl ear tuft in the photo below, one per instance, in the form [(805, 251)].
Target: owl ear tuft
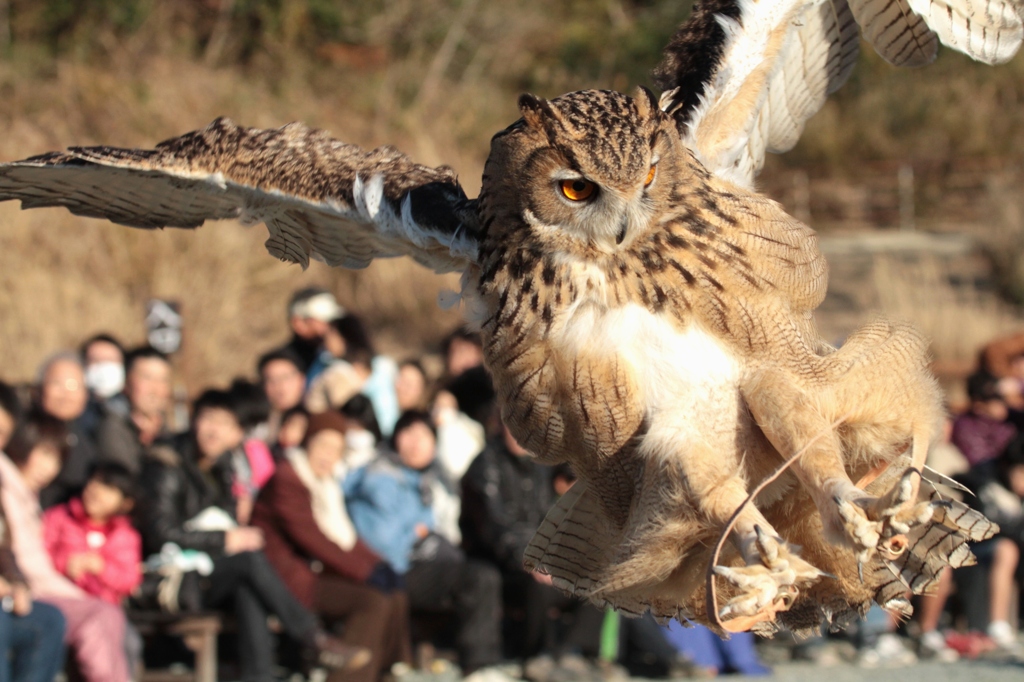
[(534, 110), (646, 102)]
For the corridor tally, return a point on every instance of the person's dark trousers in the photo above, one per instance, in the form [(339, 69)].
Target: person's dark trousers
[(972, 589), (548, 621), (577, 627), (247, 583), (32, 646), (369, 618), (643, 647), (472, 589)]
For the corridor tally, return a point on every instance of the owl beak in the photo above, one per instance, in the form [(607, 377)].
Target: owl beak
[(623, 226)]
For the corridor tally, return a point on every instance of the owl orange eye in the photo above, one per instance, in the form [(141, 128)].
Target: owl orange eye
[(650, 175), (577, 190)]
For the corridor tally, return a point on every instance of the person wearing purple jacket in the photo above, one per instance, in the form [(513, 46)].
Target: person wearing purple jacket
[(982, 433)]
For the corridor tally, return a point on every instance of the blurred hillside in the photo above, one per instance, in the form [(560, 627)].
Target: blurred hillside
[(436, 78)]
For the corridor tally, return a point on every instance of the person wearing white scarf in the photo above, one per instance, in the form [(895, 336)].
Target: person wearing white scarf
[(326, 497), (314, 547)]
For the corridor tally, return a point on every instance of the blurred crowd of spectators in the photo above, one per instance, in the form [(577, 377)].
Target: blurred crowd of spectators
[(340, 507), (336, 509), (983, 450)]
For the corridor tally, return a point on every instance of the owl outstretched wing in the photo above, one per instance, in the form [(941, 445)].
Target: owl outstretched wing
[(741, 77), (320, 198)]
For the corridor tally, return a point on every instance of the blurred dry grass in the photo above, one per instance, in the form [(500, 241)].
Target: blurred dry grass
[(433, 77), (957, 320), (63, 278)]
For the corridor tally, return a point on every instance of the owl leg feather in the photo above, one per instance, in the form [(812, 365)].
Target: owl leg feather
[(792, 421), (909, 535)]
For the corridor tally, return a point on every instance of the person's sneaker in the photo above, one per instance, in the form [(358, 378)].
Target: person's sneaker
[(932, 647), (888, 652), (1003, 635), (331, 652)]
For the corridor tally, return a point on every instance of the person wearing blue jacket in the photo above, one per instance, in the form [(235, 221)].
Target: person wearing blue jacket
[(402, 506)]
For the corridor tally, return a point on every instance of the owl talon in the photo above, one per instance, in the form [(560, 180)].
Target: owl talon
[(878, 525), (769, 583)]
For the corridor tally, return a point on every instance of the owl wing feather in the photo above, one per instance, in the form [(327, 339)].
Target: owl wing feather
[(320, 198), (741, 77)]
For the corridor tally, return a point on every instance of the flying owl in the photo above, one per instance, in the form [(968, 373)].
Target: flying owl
[(647, 316)]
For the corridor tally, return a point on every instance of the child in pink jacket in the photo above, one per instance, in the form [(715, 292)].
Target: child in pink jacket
[(91, 540)]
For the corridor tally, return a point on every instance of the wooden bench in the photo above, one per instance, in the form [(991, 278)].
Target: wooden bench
[(197, 631)]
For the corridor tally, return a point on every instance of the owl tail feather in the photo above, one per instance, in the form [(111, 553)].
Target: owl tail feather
[(573, 543), (930, 548)]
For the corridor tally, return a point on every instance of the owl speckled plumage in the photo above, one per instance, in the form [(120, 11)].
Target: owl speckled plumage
[(647, 316), (670, 358)]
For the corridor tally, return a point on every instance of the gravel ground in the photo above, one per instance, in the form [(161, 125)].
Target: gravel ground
[(961, 671), (992, 667)]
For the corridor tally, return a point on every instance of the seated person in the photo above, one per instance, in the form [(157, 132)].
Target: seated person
[(62, 394), (999, 491), (333, 387), (10, 413), (983, 433), (194, 476), (310, 311), (135, 419), (91, 539), (505, 496), (411, 386), (405, 509), (294, 423), (224, 430), (302, 515), (713, 655), (378, 371), (362, 434), (459, 437), (252, 410), (103, 357), (95, 628), (284, 384), (31, 634)]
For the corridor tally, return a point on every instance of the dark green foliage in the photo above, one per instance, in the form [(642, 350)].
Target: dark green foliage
[(417, 53)]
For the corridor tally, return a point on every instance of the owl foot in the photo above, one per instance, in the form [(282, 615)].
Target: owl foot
[(878, 525), (769, 583)]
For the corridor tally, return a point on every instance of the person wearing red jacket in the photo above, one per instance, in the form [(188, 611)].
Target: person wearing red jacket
[(313, 546), (91, 540)]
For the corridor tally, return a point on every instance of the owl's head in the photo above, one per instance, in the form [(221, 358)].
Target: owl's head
[(591, 168)]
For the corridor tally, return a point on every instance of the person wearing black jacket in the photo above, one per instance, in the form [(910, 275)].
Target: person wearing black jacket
[(191, 475), (505, 496)]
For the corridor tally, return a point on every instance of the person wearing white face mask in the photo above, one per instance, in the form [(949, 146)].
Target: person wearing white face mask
[(105, 379), (103, 359), (362, 434)]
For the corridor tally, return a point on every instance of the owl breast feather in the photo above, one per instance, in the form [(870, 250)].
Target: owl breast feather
[(593, 385)]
